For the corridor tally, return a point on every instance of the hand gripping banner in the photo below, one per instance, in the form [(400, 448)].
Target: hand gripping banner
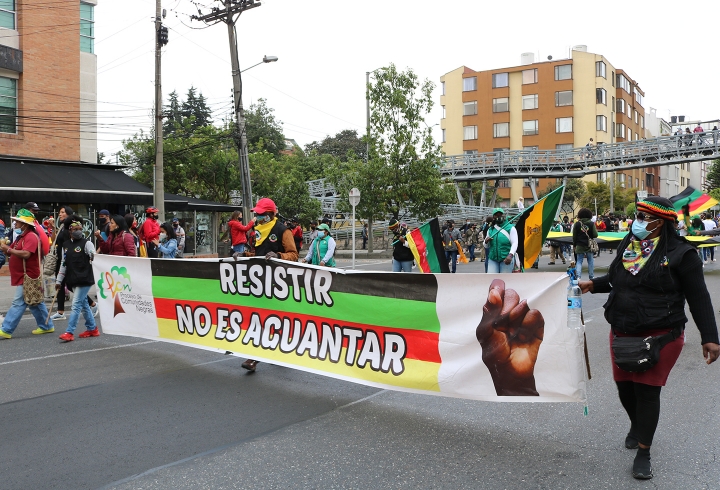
[(495, 337)]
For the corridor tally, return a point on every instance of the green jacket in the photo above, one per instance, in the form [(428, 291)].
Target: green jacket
[(500, 245), (319, 248)]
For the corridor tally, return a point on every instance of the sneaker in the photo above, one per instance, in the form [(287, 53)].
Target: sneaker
[(67, 337), (94, 310), (90, 333), (4, 335), (58, 316), (40, 331), (642, 468)]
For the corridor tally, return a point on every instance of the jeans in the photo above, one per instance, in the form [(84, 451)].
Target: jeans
[(590, 261), (404, 266), (498, 267), (17, 308), (708, 251), (452, 255), (80, 304), (487, 258), (239, 248), (471, 251)]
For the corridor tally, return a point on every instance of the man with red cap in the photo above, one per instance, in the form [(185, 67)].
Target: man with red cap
[(273, 240), (149, 231)]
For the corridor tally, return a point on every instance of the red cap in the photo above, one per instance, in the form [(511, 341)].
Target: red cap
[(151, 209), (264, 205)]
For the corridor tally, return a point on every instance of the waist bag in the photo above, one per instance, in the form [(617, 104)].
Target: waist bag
[(638, 354)]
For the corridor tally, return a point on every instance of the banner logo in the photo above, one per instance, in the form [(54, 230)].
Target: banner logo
[(112, 283)]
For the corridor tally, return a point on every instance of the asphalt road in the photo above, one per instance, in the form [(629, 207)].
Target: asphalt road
[(120, 412)]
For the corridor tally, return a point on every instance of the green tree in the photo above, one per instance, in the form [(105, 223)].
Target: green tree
[(171, 113), (597, 192), (339, 146), (264, 131), (712, 180), (195, 109), (715, 194), (574, 190)]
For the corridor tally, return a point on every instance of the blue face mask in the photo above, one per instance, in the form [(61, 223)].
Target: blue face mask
[(639, 229), (18, 231)]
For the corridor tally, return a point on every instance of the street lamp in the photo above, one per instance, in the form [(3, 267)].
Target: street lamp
[(266, 59)]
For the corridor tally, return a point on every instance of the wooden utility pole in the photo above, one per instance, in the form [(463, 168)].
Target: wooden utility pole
[(159, 184)]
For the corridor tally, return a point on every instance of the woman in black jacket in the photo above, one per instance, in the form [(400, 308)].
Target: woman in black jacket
[(652, 275)]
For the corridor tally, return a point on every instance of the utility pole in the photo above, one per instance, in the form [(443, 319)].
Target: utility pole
[(159, 186), (233, 8)]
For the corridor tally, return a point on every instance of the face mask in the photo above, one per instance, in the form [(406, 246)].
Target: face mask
[(18, 231), (263, 218), (163, 237), (77, 234), (639, 229), (500, 220), (103, 220)]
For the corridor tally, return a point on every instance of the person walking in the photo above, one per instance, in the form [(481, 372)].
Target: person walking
[(238, 233), (402, 255), (451, 237), (150, 231), (132, 227), (293, 225), (555, 246), (364, 235), (77, 274), (582, 232), (166, 242), (119, 239), (180, 236), (502, 240), (322, 249), (649, 284), (471, 240), (24, 259)]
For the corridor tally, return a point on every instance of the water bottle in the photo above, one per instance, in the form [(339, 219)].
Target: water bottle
[(574, 299)]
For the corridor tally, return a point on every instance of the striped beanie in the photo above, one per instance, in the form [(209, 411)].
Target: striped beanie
[(658, 206)]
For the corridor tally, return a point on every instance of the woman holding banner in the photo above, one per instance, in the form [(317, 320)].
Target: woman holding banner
[(652, 275)]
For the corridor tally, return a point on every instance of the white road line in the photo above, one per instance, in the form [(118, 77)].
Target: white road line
[(74, 353)]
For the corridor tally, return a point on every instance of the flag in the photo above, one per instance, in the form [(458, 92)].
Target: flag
[(533, 225), (605, 239), (698, 201), (427, 247)]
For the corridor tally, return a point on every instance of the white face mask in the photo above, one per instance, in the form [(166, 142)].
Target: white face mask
[(163, 236)]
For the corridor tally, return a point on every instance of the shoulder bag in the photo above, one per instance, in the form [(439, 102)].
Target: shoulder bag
[(638, 354), (592, 244), (33, 291), (50, 261)]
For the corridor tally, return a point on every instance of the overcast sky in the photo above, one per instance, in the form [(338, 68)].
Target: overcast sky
[(317, 87)]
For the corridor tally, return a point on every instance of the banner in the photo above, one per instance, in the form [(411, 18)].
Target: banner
[(496, 337)]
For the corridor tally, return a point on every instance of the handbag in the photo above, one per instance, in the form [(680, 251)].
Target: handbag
[(33, 291), (638, 354), (592, 244), (517, 266)]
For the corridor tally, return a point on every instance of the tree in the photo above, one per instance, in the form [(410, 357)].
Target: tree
[(171, 113), (339, 146), (712, 179), (574, 190), (597, 193), (264, 132)]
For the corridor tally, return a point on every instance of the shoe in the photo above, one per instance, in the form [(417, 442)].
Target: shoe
[(94, 310), (642, 469), (67, 337), (40, 331), (564, 262), (482, 260), (551, 263), (58, 316), (250, 365), (90, 333), (4, 335), (713, 260), (631, 442)]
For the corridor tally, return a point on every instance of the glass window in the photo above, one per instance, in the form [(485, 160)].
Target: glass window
[(469, 84), (499, 80), (620, 130), (529, 76), (87, 28), (443, 136), (501, 130), (563, 72), (638, 97), (612, 78), (469, 108), (564, 146), (470, 152), (563, 125), (469, 133), (612, 107), (530, 128), (530, 101), (7, 14), (624, 83), (637, 118), (501, 105), (563, 98), (629, 110), (601, 96), (8, 105), (600, 69), (621, 106), (444, 114), (642, 122), (536, 147), (442, 88), (601, 123)]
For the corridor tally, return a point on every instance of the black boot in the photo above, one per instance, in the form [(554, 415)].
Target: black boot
[(642, 469), (631, 441)]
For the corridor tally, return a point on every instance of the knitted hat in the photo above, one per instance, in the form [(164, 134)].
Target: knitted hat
[(393, 223), (658, 206)]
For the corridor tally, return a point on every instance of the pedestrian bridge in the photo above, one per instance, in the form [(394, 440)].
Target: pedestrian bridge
[(578, 162)]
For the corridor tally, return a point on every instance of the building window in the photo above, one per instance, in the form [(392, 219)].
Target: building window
[(620, 130), (563, 72), (629, 110), (469, 84), (642, 122), (530, 101), (469, 108), (469, 133), (624, 83), (526, 182), (501, 130), (637, 182), (649, 180), (637, 118), (501, 105), (601, 123), (600, 69), (638, 97), (601, 96), (612, 78), (444, 114), (443, 136), (87, 28), (621, 106), (529, 76), (442, 88), (503, 183), (530, 127), (564, 146), (563, 125), (531, 148), (563, 98), (7, 14), (612, 107), (470, 152), (499, 80), (8, 105)]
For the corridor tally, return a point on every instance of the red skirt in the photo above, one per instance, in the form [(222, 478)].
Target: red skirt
[(658, 374)]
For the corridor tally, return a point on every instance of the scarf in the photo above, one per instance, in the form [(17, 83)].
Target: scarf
[(637, 254), (263, 231)]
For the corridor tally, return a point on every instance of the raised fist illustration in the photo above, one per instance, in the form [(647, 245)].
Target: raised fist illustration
[(510, 334)]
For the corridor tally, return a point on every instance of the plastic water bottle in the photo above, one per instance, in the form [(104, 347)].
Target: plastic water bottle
[(574, 299)]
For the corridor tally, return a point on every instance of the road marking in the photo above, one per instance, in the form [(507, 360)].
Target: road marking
[(74, 353)]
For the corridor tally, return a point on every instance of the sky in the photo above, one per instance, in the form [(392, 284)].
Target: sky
[(317, 86)]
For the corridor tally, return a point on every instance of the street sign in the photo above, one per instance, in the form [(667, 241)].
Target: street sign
[(354, 196)]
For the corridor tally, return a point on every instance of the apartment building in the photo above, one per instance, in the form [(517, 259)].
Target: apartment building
[(48, 80), (548, 105)]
